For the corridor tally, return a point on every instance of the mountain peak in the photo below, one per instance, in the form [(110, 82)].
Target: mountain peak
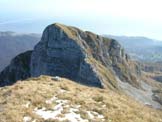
[(70, 31)]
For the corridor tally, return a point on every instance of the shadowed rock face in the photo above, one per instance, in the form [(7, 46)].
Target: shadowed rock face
[(81, 56), (64, 51), (58, 54), (19, 69)]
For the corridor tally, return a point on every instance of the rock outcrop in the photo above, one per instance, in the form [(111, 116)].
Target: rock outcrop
[(81, 56), (19, 68)]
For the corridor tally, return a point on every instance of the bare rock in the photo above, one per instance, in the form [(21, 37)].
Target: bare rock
[(19, 69), (69, 52)]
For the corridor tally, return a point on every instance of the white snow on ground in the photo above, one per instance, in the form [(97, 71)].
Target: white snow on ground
[(72, 115), (98, 115), (93, 115), (27, 104), (48, 114), (56, 78), (27, 119), (90, 115), (63, 91), (77, 106), (51, 100), (58, 111)]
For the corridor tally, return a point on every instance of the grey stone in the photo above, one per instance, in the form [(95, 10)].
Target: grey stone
[(67, 51), (17, 70)]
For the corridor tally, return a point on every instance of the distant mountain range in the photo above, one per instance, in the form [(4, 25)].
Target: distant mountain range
[(12, 44), (141, 48)]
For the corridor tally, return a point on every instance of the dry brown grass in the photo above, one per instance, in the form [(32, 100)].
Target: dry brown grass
[(114, 106), (70, 31)]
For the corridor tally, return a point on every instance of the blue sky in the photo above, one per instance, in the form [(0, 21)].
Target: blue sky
[(115, 17)]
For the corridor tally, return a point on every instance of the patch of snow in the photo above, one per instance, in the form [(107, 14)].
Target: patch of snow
[(147, 104), (73, 110), (51, 100), (66, 106), (73, 117), (100, 116), (27, 104), (56, 78), (77, 106), (90, 115), (63, 90), (93, 115), (27, 119), (54, 114), (59, 106), (46, 114)]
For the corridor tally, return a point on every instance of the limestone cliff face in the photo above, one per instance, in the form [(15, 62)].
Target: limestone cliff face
[(61, 53), (18, 69), (81, 56)]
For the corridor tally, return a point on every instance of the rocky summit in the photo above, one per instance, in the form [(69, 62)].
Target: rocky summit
[(79, 55)]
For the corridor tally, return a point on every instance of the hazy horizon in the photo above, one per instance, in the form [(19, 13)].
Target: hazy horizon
[(112, 17)]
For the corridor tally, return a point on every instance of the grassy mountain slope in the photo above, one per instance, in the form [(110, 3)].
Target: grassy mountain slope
[(33, 98)]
